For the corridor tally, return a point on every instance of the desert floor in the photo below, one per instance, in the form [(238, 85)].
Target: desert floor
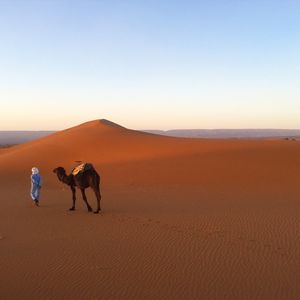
[(181, 218)]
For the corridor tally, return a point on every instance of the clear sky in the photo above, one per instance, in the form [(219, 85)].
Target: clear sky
[(147, 64)]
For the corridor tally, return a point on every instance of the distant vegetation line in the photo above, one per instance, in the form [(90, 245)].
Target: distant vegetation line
[(6, 145)]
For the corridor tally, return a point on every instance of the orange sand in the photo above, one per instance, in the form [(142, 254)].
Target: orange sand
[(181, 219)]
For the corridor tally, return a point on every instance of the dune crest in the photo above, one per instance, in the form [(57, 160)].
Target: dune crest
[(100, 124)]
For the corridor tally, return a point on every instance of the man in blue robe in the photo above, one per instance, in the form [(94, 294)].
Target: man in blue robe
[(36, 184)]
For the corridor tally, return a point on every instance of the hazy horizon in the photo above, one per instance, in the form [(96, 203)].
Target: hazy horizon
[(155, 65), (151, 129), (19, 137)]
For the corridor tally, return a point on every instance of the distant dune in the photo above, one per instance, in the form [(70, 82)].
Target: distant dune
[(18, 137), (181, 219), (230, 133)]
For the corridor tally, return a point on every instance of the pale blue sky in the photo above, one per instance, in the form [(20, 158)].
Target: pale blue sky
[(150, 64)]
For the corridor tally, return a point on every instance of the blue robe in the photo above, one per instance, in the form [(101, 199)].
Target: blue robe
[(36, 183)]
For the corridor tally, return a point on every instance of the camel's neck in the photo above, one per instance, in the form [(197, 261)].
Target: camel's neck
[(67, 179)]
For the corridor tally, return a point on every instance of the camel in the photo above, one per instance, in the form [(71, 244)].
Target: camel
[(87, 178)]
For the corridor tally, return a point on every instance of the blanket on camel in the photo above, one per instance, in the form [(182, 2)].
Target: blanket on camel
[(82, 168)]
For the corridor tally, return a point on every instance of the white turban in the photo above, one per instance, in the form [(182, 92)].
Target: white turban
[(35, 170)]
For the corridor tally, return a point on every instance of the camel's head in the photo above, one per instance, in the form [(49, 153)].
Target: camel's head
[(59, 171)]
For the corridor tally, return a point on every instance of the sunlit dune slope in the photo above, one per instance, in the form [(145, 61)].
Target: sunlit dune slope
[(99, 141)]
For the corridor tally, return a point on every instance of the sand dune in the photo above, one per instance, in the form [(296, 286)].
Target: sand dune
[(182, 218)]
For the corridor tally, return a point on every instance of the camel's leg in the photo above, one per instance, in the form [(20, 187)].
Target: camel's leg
[(85, 200), (98, 196), (73, 197)]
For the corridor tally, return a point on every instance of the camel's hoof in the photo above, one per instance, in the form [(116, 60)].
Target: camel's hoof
[(96, 212), (72, 208)]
